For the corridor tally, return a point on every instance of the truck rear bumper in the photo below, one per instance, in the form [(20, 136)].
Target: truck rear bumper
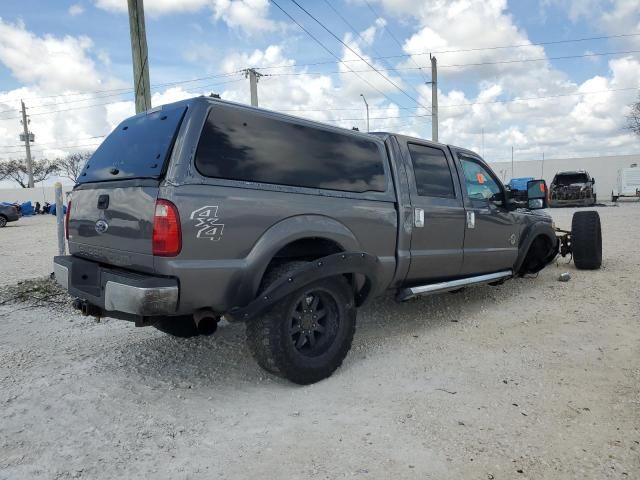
[(115, 290)]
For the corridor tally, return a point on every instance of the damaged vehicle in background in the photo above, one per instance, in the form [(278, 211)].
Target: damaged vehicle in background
[(572, 189)]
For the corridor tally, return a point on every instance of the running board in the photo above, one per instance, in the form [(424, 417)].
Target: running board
[(407, 293)]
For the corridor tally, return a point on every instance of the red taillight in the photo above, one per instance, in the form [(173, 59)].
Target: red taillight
[(167, 237), (66, 220)]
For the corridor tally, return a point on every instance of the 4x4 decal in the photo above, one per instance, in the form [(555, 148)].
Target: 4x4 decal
[(206, 221)]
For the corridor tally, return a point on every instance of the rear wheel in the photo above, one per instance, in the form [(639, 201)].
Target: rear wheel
[(586, 240), (306, 336), (3, 221)]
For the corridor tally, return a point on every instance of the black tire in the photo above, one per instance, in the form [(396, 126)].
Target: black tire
[(288, 342), (3, 221), (586, 240), (182, 326)]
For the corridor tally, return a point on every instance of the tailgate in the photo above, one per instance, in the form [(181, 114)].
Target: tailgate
[(114, 224)]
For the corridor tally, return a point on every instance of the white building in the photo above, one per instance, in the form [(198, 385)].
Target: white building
[(603, 169)]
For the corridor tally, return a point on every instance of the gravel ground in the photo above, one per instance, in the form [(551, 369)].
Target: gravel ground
[(532, 379), (28, 246)]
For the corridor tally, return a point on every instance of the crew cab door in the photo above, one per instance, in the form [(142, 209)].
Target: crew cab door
[(438, 212), (492, 232)]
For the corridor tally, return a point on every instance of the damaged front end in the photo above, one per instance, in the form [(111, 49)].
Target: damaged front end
[(572, 189)]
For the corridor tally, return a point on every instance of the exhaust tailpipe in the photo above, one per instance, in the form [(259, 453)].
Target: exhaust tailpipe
[(206, 321)]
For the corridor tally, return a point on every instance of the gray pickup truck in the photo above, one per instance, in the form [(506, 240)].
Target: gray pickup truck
[(205, 208)]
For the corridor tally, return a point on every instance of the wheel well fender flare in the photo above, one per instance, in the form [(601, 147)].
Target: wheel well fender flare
[(529, 235), (289, 230), (329, 266)]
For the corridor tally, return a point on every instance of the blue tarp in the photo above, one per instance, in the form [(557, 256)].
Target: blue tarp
[(52, 209), (27, 209), (519, 183)]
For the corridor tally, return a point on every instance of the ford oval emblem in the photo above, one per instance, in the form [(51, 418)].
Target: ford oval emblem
[(101, 226)]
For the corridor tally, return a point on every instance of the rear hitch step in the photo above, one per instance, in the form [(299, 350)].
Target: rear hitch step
[(407, 293)]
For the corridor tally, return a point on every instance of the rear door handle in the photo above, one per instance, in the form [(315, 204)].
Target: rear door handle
[(418, 217)]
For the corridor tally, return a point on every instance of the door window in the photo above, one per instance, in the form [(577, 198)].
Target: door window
[(479, 182), (431, 171)]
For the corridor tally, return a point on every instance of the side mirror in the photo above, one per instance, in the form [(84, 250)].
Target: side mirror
[(536, 194), (593, 180)]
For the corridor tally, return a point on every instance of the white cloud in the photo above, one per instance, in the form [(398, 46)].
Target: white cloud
[(155, 7), (76, 9), (50, 66), (613, 17), (55, 64), (568, 125), (248, 16), (562, 126)]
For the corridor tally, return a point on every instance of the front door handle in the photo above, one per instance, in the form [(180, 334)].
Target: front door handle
[(471, 219)]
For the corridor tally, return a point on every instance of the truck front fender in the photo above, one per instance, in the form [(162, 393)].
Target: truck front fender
[(532, 232)]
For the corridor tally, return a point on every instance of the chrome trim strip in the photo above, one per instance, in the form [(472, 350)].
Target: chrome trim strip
[(408, 293)]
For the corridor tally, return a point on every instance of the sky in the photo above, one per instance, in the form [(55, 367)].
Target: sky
[(552, 76)]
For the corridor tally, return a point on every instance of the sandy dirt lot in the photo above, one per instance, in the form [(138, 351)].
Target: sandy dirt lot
[(532, 379), (28, 246)]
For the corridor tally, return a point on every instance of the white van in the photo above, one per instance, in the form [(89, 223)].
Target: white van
[(627, 183)]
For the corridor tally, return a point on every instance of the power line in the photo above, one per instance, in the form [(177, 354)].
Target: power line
[(354, 30), (515, 100), (65, 147), (328, 50), (122, 91), (82, 107), (586, 55), (51, 143), (388, 30), (523, 45), (357, 54), (326, 62), (156, 86), (338, 120), (457, 65)]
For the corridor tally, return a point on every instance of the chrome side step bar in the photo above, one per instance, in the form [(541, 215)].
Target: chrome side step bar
[(407, 293)]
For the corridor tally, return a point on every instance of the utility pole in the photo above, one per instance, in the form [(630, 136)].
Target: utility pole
[(366, 105), (482, 142), (512, 162), (253, 75), (27, 143), (139, 55), (434, 98)]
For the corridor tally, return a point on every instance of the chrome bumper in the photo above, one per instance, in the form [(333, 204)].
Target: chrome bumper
[(119, 291), (143, 301)]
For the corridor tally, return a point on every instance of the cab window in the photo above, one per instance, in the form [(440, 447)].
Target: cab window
[(479, 182), (431, 171)]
